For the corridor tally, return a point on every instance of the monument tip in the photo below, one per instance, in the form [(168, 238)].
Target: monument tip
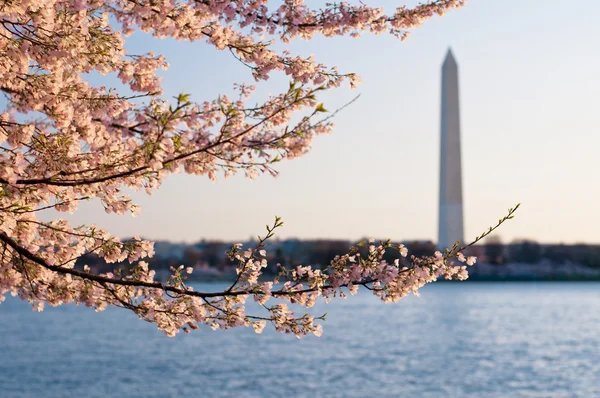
[(449, 56)]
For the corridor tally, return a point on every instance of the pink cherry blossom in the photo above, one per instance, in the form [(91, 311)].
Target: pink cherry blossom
[(64, 140)]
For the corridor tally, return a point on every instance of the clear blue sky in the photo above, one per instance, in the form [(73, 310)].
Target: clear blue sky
[(529, 75)]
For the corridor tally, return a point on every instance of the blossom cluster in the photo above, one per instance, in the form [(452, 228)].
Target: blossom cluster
[(64, 140)]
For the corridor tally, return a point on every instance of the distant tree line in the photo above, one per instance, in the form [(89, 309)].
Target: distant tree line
[(319, 253), (531, 252)]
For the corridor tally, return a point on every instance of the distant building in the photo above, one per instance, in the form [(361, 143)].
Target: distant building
[(451, 205)]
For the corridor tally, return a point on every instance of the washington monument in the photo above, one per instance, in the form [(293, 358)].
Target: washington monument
[(451, 205)]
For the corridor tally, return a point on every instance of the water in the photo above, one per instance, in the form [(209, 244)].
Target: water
[(456, 340)]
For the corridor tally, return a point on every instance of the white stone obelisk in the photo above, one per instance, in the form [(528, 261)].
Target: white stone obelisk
[(451, 207)]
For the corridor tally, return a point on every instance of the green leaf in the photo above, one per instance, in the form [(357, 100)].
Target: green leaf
[(321, 108), (183, 97)]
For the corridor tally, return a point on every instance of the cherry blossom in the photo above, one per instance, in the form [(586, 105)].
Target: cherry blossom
[(64, 140)]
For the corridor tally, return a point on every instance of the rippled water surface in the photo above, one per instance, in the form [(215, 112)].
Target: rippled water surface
[(456, 340)]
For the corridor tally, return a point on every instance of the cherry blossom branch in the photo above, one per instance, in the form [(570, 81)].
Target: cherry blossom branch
[(229, 291), (157, 285)]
